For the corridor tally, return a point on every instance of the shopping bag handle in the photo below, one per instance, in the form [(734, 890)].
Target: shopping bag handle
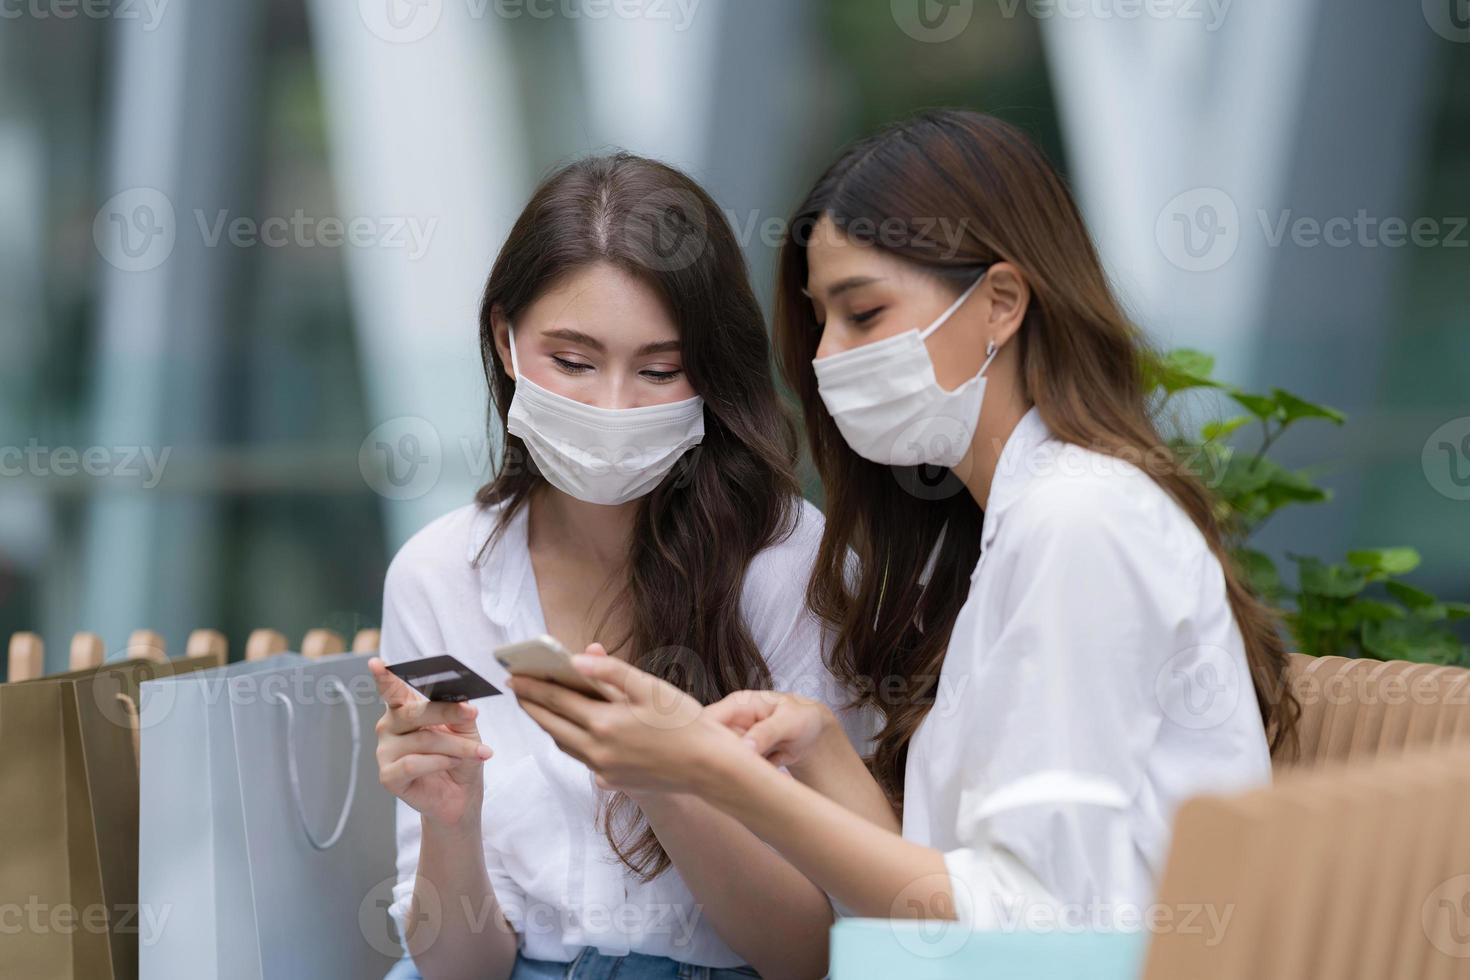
[(131, 708), (322, 845)]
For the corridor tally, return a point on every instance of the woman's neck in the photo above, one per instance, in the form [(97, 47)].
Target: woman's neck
[(1001, 412), (597, 533)]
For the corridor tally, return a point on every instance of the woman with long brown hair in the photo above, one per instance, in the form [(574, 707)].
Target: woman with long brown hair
[(646, 505), (1021, 578)]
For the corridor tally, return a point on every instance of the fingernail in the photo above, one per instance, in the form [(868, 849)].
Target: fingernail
[(583, 660), (750, 744)]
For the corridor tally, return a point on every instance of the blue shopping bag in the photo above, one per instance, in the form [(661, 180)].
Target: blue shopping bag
[(882, 949)]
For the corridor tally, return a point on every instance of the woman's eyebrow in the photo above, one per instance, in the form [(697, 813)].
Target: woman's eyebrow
[(577, 337), (587, 340), (843, 285)]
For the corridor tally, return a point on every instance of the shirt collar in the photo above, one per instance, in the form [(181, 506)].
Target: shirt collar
[(1018, 463), (504, 567)]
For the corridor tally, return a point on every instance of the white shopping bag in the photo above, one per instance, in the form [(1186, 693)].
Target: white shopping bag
[(264, 835)]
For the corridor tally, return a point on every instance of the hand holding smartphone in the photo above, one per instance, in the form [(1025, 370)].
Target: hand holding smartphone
[(545, 659)]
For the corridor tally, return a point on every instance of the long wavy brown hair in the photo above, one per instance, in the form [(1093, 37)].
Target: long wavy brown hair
[(1082, 364), (729, 497)]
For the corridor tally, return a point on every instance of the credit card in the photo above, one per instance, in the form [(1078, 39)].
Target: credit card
[(443, 678)]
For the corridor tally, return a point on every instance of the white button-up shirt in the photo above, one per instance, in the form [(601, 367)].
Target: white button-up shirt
[(554, 875), (1094, 680)]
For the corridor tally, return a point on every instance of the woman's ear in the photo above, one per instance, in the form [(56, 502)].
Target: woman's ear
[(500, 327), (1010, 297)]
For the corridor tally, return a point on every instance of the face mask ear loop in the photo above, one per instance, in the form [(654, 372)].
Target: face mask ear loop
[(515, 364), (990, 351), (944, 317)]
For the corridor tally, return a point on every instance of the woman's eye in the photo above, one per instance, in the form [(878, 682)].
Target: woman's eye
[(571, 367), (660, 377), (866, 316)]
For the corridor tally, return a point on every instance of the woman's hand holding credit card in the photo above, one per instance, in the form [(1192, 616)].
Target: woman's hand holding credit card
[(429, 752)]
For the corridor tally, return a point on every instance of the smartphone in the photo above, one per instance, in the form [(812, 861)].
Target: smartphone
[(547, 660), (443, 678)]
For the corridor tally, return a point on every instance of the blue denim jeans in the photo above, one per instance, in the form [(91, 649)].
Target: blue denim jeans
[(592, 965)]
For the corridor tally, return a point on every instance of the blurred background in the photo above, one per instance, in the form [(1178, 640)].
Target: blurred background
[(241, 247)]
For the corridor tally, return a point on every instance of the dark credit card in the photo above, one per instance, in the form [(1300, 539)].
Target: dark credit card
[(443, 679)]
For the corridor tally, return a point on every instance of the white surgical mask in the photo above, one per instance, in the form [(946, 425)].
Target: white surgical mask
[(889, 406), (600, 455)]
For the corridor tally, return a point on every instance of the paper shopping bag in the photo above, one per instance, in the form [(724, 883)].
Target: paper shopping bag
[(69, 812), (265, 832)]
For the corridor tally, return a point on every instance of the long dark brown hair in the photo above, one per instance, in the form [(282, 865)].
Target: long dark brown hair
[(1082, 365), (695, 534)]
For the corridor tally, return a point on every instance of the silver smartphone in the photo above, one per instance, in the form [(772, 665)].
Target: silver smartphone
[(547, 660)]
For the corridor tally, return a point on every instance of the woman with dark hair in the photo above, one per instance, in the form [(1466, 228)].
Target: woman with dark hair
[(1022, 579), (646, 508)]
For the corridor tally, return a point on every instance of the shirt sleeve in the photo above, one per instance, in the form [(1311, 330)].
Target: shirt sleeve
[(1059, 710)]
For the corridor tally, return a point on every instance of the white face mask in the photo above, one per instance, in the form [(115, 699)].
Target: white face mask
[(600, 455), (889, 406)]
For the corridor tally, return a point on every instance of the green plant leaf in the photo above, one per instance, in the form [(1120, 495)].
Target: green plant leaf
[(1293, 408), (1362, 611), (1259, 571), (1409, 595), (1412, 639), (1219, 429), (1181, 369), (1329, 581), (1262, 407), (1457, 610), (1289, 487), (1385, 561)]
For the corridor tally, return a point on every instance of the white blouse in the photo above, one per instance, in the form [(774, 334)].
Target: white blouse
[(554, 875), (1094, 680)]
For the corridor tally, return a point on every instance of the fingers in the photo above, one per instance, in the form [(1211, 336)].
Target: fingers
[(409, 710), (457, 716), (596, 650), (396, 776), (427, 741), (568, 737), (621, 681), (391, 687), (612, 671), (563, 701), (741, 709), (766, 735)]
